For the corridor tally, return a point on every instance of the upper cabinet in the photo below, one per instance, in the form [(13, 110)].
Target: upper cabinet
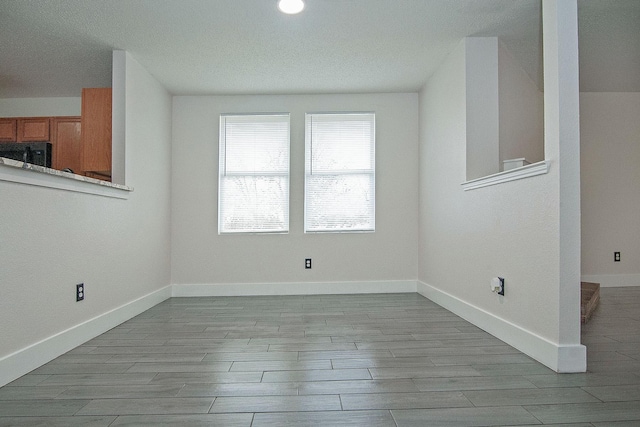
[(24, 129), (8, 130), (33, 129), (96, 131)]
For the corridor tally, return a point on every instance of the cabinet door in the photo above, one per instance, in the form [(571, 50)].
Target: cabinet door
[(33, 129), (96, 130), (67, 145), (8, 130)]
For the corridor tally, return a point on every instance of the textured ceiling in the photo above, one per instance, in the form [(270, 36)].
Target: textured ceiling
[(52, 48)]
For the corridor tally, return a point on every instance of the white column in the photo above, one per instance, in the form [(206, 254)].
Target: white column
[(562, 147)]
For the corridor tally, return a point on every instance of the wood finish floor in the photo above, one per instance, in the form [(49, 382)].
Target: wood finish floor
[(338, 360)]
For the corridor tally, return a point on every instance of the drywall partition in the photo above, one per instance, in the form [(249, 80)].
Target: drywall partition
[(204, 262), (610, 178), (511, 230), (52, 239)]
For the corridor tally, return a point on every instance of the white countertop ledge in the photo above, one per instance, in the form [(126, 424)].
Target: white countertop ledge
[(534, 169), (28, 174)]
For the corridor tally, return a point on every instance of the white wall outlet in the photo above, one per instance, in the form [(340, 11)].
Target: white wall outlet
[(497, 285)]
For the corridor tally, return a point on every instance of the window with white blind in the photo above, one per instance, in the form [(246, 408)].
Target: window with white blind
[(253, 193), (339, 172)]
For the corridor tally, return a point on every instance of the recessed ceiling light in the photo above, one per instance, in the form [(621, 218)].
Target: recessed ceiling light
[(290, 7)]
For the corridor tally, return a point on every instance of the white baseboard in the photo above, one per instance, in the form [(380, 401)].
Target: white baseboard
[(613, 280), (560, 358), (23, 361), (297, 288)]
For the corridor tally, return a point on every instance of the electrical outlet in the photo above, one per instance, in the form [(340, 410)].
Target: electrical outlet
[(80, 292), (616, 257), (497, 285), (307, 263)]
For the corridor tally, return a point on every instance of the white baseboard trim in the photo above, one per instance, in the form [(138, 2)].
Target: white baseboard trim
[(613, 280), (560, 358), (23, 361), (296, 288)]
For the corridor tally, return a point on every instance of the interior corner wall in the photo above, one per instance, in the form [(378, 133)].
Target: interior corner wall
[(482, 106), (610, 178), (521, 112), (467, 238), (200, 256), (53, 239)]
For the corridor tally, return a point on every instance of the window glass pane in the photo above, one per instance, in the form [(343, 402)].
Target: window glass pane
[(340, 203), (341, 145), (258, 146), (254, 203), (340, 172), (254, 173)]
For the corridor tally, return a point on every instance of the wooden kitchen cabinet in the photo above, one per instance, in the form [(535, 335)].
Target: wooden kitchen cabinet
[(67, 143), (96, 131), (33, 129), (8, 130)]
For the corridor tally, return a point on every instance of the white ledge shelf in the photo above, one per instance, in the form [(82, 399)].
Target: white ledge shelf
[(539, 168), (26, 173)]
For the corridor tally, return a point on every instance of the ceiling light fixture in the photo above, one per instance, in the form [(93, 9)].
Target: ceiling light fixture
[(290, 7)]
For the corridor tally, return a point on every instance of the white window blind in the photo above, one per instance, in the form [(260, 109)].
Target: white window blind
[(253, 193), (340, 172)]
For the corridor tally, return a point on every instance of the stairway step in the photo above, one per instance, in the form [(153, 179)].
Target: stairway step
[(589, 299)]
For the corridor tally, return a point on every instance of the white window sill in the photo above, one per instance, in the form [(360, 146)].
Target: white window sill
[(25, 173), (539, 168)]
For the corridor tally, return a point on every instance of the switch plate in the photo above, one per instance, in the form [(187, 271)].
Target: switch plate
[(307, 263), (616, 257), (80, 292)]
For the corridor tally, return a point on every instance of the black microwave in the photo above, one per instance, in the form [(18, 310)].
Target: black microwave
[(37, 153)]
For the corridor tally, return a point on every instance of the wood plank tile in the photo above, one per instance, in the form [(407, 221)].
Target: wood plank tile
[(146, 406), (317, 375), (240, 389), (54, 421), (471, 417), (276, 404), (51, 407), (472, 383), (280, 365), (208, 420), (324, 418), (586, 412), (529, 396), (425, 372), (356, 386), (120, 391), (404, 400)]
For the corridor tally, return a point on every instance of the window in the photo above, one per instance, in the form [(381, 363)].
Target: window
[(340, 172), (253, 193)]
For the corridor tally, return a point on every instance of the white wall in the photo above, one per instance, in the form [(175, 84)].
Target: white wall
[(40, 107), (521, 112), (610, 164), (511, 230), (53, 239), (466, 238), (201, 256)]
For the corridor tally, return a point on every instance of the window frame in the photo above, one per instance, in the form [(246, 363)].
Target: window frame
[(309, 171), (224, 172)]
